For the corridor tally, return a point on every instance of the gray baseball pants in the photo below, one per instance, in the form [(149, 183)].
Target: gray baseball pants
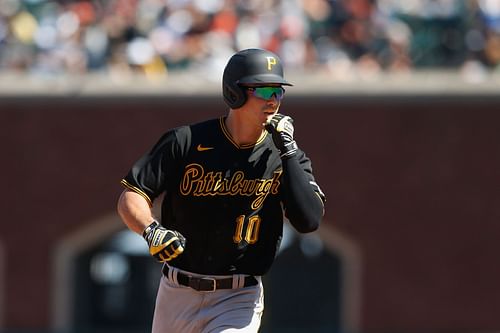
[(185, 310)]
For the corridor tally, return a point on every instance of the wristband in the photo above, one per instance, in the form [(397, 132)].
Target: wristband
[(150, 227)]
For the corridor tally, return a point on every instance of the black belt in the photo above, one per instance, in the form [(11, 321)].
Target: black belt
[(208, 284)]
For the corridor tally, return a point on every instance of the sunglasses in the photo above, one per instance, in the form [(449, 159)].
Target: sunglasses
[(267, 92)]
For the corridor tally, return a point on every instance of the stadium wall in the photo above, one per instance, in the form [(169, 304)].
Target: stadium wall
[(412, 180)]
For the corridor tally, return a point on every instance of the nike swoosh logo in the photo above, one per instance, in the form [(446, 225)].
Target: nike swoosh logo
[(200, 148)]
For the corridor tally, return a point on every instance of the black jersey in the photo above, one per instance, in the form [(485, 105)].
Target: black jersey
[(224, 198)]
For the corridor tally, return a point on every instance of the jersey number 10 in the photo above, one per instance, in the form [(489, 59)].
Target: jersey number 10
[(251, 231)]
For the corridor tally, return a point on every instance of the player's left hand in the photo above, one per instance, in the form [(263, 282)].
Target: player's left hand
[(281, 128), (164, 244)]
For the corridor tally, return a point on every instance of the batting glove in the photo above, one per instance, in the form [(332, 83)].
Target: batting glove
[(281, 128), (164, 244)]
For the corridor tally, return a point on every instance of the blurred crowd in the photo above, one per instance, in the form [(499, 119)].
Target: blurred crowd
[(155, 37)]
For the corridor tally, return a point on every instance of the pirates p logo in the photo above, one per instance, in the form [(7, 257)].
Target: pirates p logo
[(271, 61)]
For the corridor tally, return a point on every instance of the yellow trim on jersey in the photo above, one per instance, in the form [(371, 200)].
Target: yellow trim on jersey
[(138, 191), (225, 130), (322, 202)]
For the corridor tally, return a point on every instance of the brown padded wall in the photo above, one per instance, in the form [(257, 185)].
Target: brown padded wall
[(413, 180)]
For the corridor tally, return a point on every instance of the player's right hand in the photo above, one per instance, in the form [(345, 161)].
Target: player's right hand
[(163, 244)]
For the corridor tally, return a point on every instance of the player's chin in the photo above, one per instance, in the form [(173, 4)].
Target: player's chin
[(268, 116)]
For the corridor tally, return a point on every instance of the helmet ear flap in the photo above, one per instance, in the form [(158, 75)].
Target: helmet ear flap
[(234, 95)]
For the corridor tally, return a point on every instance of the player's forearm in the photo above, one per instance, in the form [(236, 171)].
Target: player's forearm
[(304, 208), (134, 211)]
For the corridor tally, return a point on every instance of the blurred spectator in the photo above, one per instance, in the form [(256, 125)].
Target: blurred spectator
[(45, 37)]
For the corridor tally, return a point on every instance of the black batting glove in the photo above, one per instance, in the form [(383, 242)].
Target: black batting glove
[(164, 244), (281, 128)]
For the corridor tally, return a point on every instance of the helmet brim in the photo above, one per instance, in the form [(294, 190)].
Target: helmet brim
[(263, 79)]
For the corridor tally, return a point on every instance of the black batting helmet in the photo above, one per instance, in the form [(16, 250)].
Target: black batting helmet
[(250, 66)]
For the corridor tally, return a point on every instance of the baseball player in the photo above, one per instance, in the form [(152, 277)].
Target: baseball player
[(227, 184)]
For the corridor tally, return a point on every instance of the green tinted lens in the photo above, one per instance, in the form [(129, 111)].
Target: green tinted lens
[(268, 92)]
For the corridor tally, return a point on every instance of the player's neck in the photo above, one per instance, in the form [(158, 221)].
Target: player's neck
[(242, 131)]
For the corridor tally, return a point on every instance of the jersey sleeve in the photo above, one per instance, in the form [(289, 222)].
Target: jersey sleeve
[(151, 174), (306, 167), (303, 199)]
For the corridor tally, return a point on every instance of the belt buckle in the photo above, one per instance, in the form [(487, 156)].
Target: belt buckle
[(203, 284)]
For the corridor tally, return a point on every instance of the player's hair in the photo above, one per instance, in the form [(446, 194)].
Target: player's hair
[(250, 66)]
